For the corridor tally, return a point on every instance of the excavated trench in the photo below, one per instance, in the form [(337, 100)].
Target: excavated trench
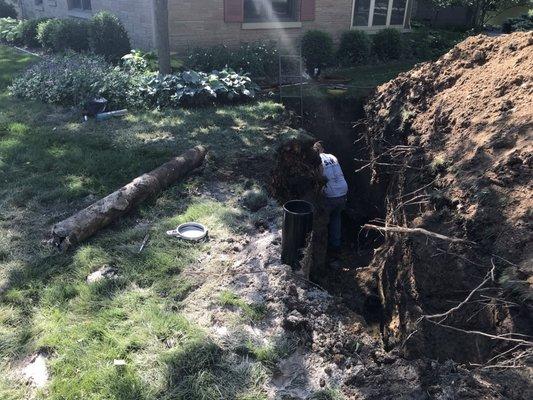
[(392, 282), (350, 277)]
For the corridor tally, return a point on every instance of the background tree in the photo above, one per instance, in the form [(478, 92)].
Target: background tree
[(481, 9), (161, 35)]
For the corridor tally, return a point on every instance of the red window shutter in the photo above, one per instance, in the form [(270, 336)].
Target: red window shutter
[(234, 10), (307, 10)]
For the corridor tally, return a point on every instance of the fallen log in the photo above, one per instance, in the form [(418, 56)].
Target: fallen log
[(87, 222)]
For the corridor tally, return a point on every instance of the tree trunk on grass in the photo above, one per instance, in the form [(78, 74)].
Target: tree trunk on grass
[(90, 220), (162, 35)]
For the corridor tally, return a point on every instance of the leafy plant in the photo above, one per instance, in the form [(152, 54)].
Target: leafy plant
[(7, 10), (108, 37), (137, 61), (388, 44), (317, 50), (9, 30), (63, 34), (72, 79), (354, 48), (28, 32), (259, 59), (522, 23), (192, 88)]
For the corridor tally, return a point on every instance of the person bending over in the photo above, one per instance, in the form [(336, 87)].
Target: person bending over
[(335, 193)]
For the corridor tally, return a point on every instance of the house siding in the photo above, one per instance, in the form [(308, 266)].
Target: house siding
[(136, 15)]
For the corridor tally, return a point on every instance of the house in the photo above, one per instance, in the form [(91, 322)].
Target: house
[(230, 22)]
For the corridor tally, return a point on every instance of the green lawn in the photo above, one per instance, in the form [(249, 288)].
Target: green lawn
[(51, 165)]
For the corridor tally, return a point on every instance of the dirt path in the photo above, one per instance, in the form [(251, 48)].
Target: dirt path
[(319, 344)]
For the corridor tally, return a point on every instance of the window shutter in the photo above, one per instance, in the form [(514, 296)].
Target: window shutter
[(307, 10), (233, 10)]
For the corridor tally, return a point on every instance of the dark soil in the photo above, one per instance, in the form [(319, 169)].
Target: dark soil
[(451, 140)]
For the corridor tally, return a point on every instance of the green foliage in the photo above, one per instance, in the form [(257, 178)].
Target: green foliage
[(522, 23), (423, 43), (28, 32), (7, 10), (137, 60), (254, 312), (317, 49), (72, 79), (354, 48), (59, 35), (192, 88), (387, 44), (259, 59), (108, 37), (9, 30)]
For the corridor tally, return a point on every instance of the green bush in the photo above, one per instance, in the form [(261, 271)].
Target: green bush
[(317, 50), (259, 59), (9, 30), (388, 44), (208, 58), (108, 37), (63, 34), (522, 23), (72, 79), (28, 32), (354, 48), (191, 88), (7, 10)]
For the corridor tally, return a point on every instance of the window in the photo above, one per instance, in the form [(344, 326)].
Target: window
[(379, 13), (39, 3), (84, 5), (270, 10)]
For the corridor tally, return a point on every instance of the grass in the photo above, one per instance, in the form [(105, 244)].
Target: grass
[(252, 311), (51, 165)]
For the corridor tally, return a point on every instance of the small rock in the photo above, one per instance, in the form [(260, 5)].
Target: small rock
[(322, 382), (295, 321), (105, 272)]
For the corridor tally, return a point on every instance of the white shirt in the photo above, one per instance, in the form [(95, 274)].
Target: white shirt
[(336, 186)]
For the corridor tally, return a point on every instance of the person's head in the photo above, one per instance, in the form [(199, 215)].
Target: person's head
[(319, 147)]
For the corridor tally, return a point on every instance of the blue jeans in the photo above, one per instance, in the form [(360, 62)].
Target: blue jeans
[(334, 207)]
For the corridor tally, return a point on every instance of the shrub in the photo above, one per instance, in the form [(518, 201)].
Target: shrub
[(9, 30), (108, 37), (354, 48), (28, 32), (387, 44), (317, 50), (521, 23), (7, 10), (72, 79), (62, 34), (259, 59), (192, 88), (209, 58)]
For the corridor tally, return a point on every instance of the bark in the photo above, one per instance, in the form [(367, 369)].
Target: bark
[(162, 35), (87, 222)]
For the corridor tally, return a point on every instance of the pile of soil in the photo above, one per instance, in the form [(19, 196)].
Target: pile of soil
[(452, 142)]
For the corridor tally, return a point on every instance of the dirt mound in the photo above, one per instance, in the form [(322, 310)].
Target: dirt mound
[(452, 140)]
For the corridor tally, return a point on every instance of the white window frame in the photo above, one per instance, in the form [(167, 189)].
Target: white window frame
[(370, 27)]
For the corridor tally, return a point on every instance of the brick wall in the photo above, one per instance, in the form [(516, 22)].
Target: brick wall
[(201, 22), (136, 15)]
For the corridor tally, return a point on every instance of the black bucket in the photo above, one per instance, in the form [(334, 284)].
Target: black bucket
[(297, 225)]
